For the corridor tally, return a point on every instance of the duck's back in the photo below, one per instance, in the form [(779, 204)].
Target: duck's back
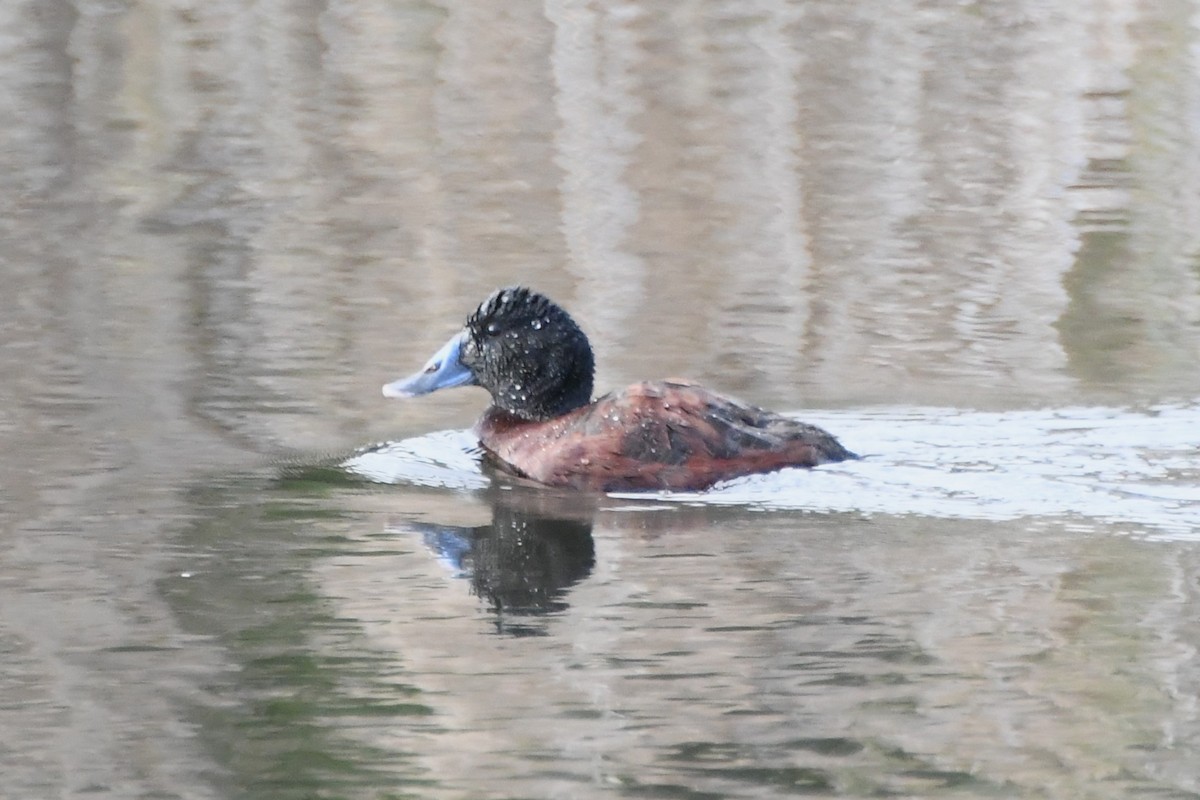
[(655, 435)]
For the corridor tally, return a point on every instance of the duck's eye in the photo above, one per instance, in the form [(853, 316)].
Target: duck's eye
[(492, 328)]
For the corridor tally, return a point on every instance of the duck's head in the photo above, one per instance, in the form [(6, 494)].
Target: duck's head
[(520, 346)]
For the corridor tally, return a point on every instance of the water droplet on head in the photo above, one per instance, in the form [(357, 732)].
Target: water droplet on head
[(536, 324)]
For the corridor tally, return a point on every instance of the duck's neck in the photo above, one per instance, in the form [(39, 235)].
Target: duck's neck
[(544, 397), (530, 408)]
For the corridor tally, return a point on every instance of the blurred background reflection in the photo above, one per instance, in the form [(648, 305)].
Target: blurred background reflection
[(226, 223)]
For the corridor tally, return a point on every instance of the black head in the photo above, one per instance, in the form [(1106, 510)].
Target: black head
[(520, 346), (529, 353)]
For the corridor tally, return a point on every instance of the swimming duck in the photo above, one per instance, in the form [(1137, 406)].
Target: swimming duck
[(543, 425)]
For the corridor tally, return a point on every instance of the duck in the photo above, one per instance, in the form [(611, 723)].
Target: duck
[(543, 424)]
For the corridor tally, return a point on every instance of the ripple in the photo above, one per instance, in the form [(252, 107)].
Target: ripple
[(1094, 466), (444, 459), (1136, 468)]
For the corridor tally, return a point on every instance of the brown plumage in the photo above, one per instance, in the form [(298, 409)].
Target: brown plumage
[(654, 435)]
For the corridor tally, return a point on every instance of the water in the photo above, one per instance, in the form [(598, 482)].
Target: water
[(962, 237), (1103, 467), (520, 640)]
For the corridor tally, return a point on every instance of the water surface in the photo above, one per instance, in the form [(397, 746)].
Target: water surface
[(963, 237)]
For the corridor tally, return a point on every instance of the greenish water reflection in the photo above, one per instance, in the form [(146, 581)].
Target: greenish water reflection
[(606, 648), (300, 675)]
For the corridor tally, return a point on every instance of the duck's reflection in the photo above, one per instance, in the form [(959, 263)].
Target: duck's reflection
[(537, 546)]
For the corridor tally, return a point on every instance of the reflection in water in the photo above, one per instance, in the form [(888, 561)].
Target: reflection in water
[(677, 650), (594, 60), (225, 223), (523, 562)]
